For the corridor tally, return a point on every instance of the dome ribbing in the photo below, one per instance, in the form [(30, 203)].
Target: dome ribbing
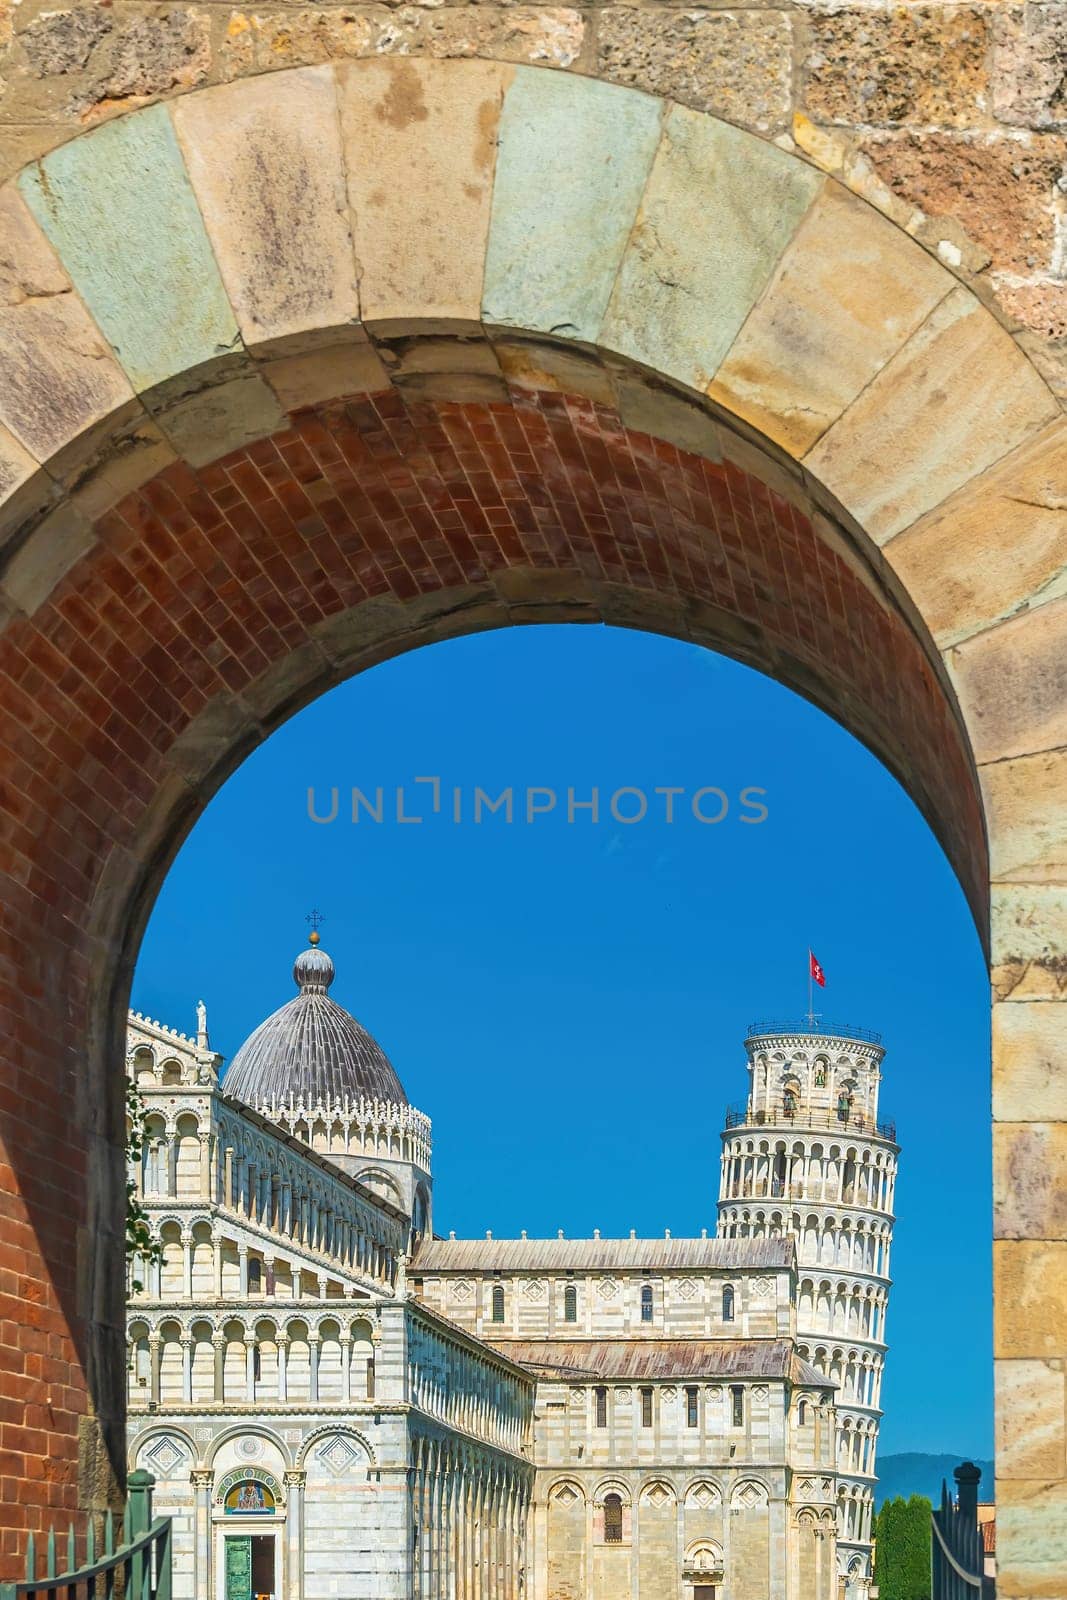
[(311, 1050)]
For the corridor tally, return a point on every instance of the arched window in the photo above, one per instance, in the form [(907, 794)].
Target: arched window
[(802, 1412), (612, 1519), (497, 1314), (789, 1102), (737, 1406), (601, 1408), (728, 1304), (570, 1303), (646, 1302)]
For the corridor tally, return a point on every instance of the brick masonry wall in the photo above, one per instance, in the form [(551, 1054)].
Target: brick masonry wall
[(213, 603), (949, 116)]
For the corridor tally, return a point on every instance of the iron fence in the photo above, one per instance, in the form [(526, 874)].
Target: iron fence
[(138, 1568), (957, 1549)]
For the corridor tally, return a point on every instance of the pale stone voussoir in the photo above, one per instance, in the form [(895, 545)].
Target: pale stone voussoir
[(718, 210), (264, 157), (420, 145), (118, 208), (996, 547), (1011, 682), (956, 398)]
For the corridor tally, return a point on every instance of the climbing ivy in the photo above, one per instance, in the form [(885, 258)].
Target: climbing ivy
[(140, 1243)]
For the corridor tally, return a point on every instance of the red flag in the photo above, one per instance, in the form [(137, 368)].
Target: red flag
[(815, 970)]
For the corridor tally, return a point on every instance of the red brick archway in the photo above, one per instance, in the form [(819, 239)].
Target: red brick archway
[(872, 512), (218, 601)]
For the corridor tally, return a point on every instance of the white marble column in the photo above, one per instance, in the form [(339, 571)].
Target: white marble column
[(283, 1356), (187, 1369), (203, 1577), (294, 1535)]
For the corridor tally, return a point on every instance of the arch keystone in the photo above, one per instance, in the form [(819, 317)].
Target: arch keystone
[(420, 141)]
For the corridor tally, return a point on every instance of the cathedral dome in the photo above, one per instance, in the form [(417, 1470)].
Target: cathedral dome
[(311, 1049)]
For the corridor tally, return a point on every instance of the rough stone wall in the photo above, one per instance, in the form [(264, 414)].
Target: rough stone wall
[(951, 117)]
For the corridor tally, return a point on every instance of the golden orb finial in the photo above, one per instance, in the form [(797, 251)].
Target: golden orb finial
[(314, 918)]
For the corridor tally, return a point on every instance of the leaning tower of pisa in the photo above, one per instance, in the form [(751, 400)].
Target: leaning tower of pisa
[(806, 1155)]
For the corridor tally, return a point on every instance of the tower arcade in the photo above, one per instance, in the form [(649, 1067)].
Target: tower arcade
[(807, 1156)]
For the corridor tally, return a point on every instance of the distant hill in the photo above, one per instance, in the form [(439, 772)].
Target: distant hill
[(911, 1472)]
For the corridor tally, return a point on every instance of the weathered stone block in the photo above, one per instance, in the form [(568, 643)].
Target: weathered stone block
[(574, 158), (719, 208), (917, 432), (1011, 681), (847, 293), (994, 547), (59, 42), (1026, 817), (908, 64), (536, 364), (1030, 65), (57, 376), (306, 380), (420, 150), (1029, 1048), (262, 41), (1030, 1180), (1030, 1286), (265, 160), (738, 65), (24, 489), (220, 418), (1001, 190), (1031, 1398), (47, 555), (1028, 938), (1031, 1539), (118, 207)]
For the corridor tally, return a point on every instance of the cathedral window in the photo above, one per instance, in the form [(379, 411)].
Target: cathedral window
[(601, 1413), (497, 1314), (612, 1519), (646, 1302), (692, 1414), (570, 1303), (257, 1363), (646, 1408), (255, 1276), (737, 1405), (370, 1377), (727, 1304), (802, 1412)]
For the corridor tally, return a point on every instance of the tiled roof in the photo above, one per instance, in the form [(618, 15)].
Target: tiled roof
[(637, 1359), (600, 1255)]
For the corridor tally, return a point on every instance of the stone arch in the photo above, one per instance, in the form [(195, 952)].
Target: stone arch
[(317, 1435), (145, 1442), (749, 1492), (242, 1430), (899, 434)]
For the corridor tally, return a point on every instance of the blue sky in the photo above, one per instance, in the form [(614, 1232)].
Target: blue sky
[(567, 999)]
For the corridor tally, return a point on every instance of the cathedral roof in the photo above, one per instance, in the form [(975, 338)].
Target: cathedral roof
[(635, 1359), (595, 1255), (311, 1050)]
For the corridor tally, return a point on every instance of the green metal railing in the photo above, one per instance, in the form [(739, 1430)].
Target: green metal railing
[(139, 1568)]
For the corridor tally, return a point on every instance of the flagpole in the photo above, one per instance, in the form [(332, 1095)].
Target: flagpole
[(811, 1002)]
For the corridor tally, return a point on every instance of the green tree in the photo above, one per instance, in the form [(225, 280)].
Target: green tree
[(139, 1241), (918, 1583), (902, 1551)]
